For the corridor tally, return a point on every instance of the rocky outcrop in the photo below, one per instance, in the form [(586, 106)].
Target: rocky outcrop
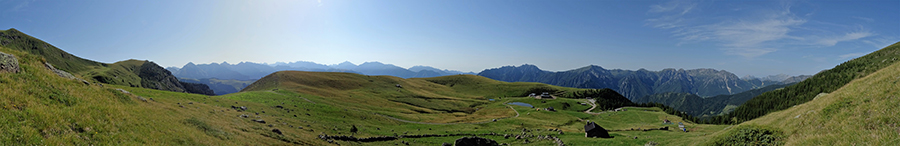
[(64, 74), (8, 63), (61, 73), (197, 88), (155, 77)]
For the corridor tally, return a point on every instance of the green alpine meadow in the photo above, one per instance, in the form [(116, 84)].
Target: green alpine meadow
[(449, 73)]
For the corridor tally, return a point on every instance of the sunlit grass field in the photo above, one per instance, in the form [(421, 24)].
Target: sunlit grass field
[(863, 112), (41, 108)]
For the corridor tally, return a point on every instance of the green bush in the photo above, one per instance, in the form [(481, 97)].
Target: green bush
[(750, 135)]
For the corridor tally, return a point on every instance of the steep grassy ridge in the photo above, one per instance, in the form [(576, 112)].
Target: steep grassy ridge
[(823, 82), (16, 40), (864, 112), (132, 73)]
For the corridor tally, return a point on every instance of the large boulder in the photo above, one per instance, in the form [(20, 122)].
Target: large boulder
[(593, 130), (8, 63), (475, 141)]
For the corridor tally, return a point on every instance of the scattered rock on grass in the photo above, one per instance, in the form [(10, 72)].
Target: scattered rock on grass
[(277, 131), (259, 121)]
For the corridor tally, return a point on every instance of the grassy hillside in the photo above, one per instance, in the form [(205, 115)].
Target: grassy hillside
[(460, 104), (863, 112), (40, 108), (132, 73), (823, 82), (16, 40)]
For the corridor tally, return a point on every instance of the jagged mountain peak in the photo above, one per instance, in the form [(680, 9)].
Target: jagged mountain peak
[(634, 84)]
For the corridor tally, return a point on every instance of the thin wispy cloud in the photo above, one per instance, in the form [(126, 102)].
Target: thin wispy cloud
[(750, 35), (673, 13), (831, 41), (870, 20), (21, 6), (881, 42), (851, 55)]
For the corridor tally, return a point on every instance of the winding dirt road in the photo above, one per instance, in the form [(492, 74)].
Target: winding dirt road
[(593, 105)]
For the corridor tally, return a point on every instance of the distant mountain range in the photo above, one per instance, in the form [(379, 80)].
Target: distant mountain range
[(640, 83), (226, 78), (253, 71)]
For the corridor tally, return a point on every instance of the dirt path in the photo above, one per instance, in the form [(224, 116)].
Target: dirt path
[(593, 105), (407, 121)]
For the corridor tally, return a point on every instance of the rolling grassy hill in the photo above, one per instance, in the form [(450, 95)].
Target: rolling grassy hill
[(460, 104), (311, 108), (40, 108), (863, 112), (134, 105)]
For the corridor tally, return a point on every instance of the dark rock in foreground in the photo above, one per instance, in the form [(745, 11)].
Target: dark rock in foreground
[(277, 131), (475, 141)]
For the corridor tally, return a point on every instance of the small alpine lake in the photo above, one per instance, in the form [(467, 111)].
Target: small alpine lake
[(521, 104)]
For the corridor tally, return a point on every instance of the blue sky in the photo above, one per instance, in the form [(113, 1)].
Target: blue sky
[(744, 37)]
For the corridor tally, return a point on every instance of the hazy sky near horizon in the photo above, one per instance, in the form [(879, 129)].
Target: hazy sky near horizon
[(755, 37)]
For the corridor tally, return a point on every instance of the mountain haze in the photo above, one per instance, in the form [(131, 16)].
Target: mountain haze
[(253, 71), (223, 76), (706, 107)]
